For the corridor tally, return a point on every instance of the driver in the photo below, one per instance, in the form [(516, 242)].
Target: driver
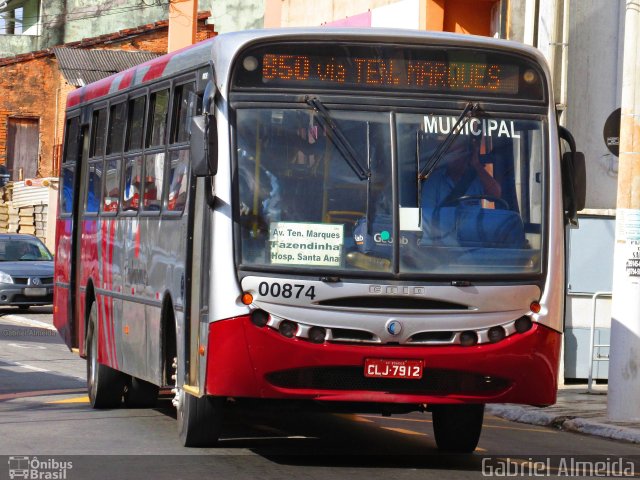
[(459, 174), (460, 180)]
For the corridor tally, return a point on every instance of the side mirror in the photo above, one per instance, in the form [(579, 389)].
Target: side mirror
[(574, 178), (204, 146), (204, 133), (579, 180)]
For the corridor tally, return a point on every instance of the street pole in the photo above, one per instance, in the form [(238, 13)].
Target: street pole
[(623, 402)]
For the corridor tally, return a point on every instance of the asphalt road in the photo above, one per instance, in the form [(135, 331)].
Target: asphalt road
[(44, 414)]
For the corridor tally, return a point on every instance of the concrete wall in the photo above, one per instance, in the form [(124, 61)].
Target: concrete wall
[(594, 84), (312, 13), (13, 44), (235, 15), (91, 18)]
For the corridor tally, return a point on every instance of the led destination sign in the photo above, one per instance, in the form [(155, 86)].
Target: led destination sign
[(380, 72), (411, 69)]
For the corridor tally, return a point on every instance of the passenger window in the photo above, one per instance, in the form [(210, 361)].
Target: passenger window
[(111, 186), (178, 181), (66, 192), (159, 109), (98, 133), (186, 104), (132, 181), (71, 141), (154, 176), (117, 122), (136, 123), (94, 187)]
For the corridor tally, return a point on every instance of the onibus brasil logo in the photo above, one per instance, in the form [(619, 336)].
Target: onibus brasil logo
[(37, 469)]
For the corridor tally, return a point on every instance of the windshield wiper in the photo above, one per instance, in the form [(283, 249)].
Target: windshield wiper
[(338, 138), (468, 112)]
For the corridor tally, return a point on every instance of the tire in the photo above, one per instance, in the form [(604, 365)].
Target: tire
[(140, 394), (104, 384), (457, 428), (200, 420)]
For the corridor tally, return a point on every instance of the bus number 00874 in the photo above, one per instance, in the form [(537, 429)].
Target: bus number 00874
[(286, 290)]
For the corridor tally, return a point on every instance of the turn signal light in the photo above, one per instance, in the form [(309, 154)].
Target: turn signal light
[(535, 307), (247, 298)]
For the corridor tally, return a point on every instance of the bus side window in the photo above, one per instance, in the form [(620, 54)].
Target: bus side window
[(135, 126), (154, 175), (71, 149), (111, 186), (132, 180), (185, 105), (158, 114), (178, 180), (98, 132), (117, 122), (94, 187)]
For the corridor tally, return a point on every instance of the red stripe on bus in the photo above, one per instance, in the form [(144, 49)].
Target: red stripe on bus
[(156, 70), (112, 232), (127, 79), (136, 250)]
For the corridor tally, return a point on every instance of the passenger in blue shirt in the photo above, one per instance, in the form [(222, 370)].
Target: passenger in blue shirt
[(459, 174)]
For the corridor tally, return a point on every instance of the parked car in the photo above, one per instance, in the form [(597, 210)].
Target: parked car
[(26, 271)]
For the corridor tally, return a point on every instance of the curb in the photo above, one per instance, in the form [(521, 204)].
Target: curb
[(27, 322), (532, 416)]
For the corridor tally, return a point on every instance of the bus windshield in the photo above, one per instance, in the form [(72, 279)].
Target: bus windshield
[(302, 205)]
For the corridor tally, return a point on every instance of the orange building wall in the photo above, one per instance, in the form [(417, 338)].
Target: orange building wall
[(29, 89), (460, 16)]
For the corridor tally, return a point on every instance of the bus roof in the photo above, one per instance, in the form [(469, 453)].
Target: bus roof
[(223, 48)]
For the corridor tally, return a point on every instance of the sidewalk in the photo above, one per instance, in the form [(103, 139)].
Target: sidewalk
[(576, 410)]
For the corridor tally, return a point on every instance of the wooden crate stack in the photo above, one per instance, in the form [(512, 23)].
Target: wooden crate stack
[(26, 220), (10, 218), (40, 216), (18, 214)]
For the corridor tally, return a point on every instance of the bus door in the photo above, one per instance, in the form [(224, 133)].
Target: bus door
[(77, 306), (68, 231)]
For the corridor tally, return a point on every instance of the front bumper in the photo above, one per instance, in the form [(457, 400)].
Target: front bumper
[(16, 295), (248, 361)]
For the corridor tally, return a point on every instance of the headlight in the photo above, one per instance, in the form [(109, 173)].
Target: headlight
[(5, 278)]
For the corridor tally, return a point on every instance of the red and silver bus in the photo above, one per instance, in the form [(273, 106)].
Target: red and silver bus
[(365, 219)]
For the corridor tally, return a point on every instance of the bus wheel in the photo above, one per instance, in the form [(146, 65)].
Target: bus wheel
[(457, 427), (140, 394), (199, 419), (104, 384)]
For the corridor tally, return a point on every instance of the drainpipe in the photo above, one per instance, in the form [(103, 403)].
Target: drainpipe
[(623, 402)]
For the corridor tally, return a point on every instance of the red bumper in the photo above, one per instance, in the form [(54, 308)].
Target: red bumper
[(248, 361)]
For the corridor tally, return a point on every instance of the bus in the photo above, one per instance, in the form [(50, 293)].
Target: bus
[(367, 220)]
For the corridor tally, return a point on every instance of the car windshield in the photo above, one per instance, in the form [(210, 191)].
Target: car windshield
[(302, 204), (23, 249)]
